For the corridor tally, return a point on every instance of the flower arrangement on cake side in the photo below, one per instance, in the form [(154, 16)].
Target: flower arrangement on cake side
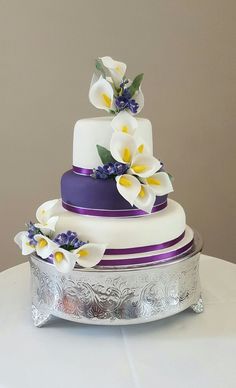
[(65, 250), (139, 176)]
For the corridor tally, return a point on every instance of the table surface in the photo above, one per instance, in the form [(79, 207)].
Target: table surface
[(185, 350)]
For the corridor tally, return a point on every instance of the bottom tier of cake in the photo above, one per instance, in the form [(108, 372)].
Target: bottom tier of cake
[(135, 240), (117, 296)]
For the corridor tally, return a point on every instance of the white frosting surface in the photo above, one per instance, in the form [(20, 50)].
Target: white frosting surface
[(90, 132), (156, 228), (186, 239)]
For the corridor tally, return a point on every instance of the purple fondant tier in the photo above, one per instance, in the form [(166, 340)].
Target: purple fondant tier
[(89, 193)]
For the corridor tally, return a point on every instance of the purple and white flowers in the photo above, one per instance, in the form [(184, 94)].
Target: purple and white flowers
[(143, 180), (112, 91), (68, 240), (125, 101), (110, 170), (139, 178), (65, 249)]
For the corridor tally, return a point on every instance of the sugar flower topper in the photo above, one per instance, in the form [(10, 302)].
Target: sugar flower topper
[(138, 175), (112, 91), (46, 216), (64, 249), (124, 122)]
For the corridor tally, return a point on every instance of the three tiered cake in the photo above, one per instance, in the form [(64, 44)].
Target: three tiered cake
[(114, 222)]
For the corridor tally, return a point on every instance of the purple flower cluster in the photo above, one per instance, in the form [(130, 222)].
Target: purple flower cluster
[(32, 231), (68, 240), (124, 101), (109, 170)]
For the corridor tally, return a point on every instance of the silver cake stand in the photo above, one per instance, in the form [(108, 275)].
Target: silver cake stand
[(117, 296)]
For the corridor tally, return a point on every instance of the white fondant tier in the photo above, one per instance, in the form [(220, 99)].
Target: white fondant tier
[(90, 132), (157, 228), (183, 244)]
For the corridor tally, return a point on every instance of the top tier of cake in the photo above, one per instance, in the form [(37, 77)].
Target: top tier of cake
[(90, 132)]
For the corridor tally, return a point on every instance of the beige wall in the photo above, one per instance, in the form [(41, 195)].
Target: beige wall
[(186, 50)]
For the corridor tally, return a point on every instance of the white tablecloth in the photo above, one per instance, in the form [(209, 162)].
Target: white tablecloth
[(186, 350)]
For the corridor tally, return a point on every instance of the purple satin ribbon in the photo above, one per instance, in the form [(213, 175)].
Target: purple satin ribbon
[(147, 259), (111, 213), (148, 248), (82, 171), (142, 260), (85, 171)]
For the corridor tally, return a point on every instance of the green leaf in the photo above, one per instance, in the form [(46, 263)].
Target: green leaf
[(100, 67), (105, 155), (135, 84)]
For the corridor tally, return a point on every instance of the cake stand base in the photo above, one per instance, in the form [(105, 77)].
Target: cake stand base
[(117, 296), (40, 318)]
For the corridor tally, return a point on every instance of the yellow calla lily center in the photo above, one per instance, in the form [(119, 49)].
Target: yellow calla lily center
[(139, 168), (107, 100), (153, 181), (141, 148), (142, 192), (59, 257), (118, 70), (125, 129), (126, 155), (42, 243), (83, 253), (125, 182)]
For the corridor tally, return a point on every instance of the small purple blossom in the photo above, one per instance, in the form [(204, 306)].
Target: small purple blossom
[(121, 103), (124, 101), (61, 239), (99, 173), (121, 168), (33, 242), (109, 170), (32, 230), (68, 240), (133, 106)]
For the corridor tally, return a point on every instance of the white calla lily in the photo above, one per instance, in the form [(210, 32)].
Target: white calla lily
[(117, 69), (90, 254), (63, 260), (101, 93), (45, 246), (144, 165), (129, 187), (24, 243), (47, 210), (142, 147), (124, 149), (160, 183), (145, 199), (45, 216), (124, 122)]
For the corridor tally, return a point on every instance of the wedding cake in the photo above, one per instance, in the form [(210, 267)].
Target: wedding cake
[(114, 210)]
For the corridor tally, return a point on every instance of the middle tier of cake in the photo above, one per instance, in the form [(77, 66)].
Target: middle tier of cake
[(89, 196)]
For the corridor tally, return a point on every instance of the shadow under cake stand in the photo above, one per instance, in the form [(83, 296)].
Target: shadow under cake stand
[(120, 296)]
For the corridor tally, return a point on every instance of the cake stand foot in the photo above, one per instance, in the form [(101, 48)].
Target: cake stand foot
[(40, 318), (198, 307)]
